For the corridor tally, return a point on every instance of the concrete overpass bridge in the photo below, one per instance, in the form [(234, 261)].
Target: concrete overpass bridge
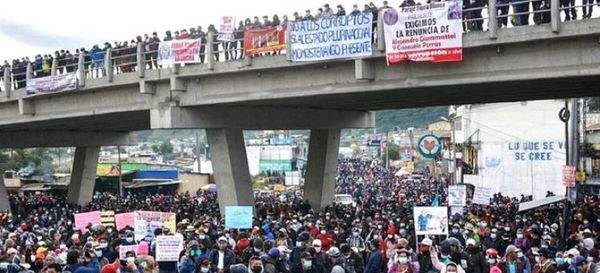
[(557, 60)]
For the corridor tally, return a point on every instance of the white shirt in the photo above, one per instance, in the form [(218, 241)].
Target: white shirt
[(221, 263)]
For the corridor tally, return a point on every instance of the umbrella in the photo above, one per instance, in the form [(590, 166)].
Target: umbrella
[(209, 187)]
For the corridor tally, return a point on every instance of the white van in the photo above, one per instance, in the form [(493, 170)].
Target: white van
[(345, 199)]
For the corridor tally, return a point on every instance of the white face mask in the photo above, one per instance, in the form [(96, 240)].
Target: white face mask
[(403, 260), (318, 249), (537, 259), (204, 269), (323, 232), (130, 259), (307, 264), (520, 236)]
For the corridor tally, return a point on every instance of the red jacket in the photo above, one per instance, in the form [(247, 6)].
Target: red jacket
[(240, 246)]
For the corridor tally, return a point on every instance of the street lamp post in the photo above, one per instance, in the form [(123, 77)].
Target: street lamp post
[(450, 119)]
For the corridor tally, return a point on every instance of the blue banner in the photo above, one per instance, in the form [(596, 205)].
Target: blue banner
[(335, 37), (238, 217)]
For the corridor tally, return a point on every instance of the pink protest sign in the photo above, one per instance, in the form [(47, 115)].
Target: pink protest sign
[(124, 219), (83, 219)]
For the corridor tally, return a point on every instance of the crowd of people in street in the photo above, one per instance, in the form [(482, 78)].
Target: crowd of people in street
[(124, 56), (376, 234)]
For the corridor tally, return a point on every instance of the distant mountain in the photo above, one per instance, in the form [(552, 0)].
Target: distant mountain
[(405, 118), (386, 121)]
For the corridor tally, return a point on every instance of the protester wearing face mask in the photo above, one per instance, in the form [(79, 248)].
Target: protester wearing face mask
[(130, 264), (143, 259), (255, 250), (189, 263), (491, 258), (475, 258), (299, 248), (86, 264), (583, 265), (391, 244), (255, 265), (445, 262), (129, 239), (326, 239), (356, 241), (424, 256), (544, 263), (354, 261), (492, 240), (222, 258), (511, 262), (307, 264), (271, 261), (375, 259), (400, 263)]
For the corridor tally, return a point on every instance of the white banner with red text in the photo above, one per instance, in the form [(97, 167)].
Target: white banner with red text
[(179, 51), (424, 33), (51, 84)]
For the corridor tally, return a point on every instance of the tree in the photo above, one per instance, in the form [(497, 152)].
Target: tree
[(392, 152), (594, 104), (166, 148)]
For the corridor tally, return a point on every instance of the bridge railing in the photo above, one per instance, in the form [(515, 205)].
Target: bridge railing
[(130, 59)]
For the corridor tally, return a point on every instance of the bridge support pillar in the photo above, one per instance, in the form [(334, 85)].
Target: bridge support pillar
[(230, 166), (319, 183), (4, 202), (83, 176)]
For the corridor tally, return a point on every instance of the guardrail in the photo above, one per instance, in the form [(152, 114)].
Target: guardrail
[(137, 59)]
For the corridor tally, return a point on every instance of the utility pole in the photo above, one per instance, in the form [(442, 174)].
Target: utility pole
[(570, 116), (198, 152), (455, 174), (387, 150), (120, 171)]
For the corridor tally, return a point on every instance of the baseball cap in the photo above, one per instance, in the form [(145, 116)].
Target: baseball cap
[(426, 242), (334, 252)]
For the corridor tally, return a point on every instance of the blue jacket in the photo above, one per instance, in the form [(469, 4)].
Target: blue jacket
[(93, 267), (187, 265), (374, 263), (267, 230), (97, 54)]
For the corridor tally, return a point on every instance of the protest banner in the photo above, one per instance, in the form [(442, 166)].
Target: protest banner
[(145, 222), (86, 218), (457, 195), (540, 202), (264, 40), (569, 176), (107, 218), (168, 248), (431, 220), (457, 210), (227, 29), (50, 84), (336, 37), (179, 51), (431, 32), (123, 249), (238, 217), (123, 220), (482, 195)]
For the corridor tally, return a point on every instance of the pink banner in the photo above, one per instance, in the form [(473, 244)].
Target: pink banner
[(124, 219), (83, 219)]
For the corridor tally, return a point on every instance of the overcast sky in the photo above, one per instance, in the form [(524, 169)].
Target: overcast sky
[(31, 27)]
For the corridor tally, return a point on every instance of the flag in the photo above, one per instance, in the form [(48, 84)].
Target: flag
[(436, 201)]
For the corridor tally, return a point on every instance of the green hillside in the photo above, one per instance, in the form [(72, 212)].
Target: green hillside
[(405, 118), (385, 120)]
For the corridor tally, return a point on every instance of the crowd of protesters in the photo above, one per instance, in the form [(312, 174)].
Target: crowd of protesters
[(125, 59), (374, 235)]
